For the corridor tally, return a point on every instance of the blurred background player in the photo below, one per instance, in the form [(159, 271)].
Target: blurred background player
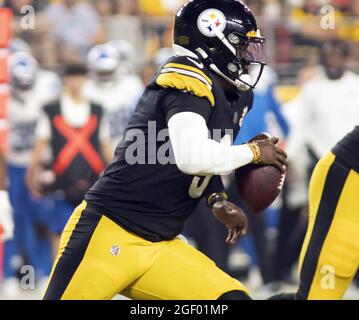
[(31, 88), (328, 103), (128, 57), (78, 136), (113, 85)]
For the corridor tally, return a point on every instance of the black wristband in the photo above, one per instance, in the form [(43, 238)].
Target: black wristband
[(214, 197)]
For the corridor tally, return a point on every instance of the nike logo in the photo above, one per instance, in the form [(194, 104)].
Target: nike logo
[(199, 65)]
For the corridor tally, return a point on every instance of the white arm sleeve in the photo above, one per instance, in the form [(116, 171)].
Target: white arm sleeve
[(196, 154)]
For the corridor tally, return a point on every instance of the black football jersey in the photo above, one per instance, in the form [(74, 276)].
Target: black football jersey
[(347, 150), (142, 189)]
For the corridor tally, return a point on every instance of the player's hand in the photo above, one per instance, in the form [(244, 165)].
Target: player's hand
[(6, 221), (271, 154), (32, 183), (232, 217)]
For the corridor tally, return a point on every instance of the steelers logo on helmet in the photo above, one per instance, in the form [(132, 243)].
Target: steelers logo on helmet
[(211, 21)]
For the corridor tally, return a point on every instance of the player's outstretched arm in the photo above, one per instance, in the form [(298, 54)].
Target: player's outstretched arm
[(31, 181), (43, 137)]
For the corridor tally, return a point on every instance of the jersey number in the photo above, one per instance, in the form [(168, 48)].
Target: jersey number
[(196, 189)]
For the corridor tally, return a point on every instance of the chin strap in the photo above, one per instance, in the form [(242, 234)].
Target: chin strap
[(240, 85)]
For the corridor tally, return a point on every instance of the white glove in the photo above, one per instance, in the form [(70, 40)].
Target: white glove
[(6, 221)]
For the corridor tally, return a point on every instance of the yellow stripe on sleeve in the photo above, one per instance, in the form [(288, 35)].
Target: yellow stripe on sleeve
[(189, 68), (186, 83)]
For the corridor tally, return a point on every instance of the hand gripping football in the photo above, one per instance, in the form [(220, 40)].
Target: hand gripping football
[(259, 185)]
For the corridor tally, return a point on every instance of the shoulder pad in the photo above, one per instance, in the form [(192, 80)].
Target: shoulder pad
[(186, 74)]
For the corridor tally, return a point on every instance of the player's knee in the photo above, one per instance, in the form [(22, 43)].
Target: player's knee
[(235, 295)]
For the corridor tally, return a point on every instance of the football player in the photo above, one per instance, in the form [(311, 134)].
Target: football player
[(124, 237), (330, 254), (31, 88), (113, 87)]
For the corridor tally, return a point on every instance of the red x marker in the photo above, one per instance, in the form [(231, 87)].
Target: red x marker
[(78, 143)]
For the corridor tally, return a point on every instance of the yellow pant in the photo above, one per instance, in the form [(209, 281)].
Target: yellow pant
[(330, 254), (98, 259)]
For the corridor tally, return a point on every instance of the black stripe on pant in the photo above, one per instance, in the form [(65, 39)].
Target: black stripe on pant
[(72, 255), (336, 177)]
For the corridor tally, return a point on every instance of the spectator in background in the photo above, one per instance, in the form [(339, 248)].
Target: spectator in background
[(117, 7), (126, 7), (349, 30), (31, 88), (104, 7), (307, 19), (79, 140), (76, 28), (113, 86), (158, 21), (38, 36), (159, 8)]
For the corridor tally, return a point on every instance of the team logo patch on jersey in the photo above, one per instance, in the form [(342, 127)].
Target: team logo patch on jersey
[(115, 250), (210, 21)]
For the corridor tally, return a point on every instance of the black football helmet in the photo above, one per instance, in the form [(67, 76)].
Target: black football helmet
[(224, 35)]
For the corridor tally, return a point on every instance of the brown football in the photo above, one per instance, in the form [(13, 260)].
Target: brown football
[(259, 185)]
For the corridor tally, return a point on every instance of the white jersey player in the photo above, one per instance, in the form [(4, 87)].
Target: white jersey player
[(326, 109), (113, 87), (31, 89)]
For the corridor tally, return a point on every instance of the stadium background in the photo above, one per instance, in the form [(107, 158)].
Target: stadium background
[(294, 32)]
